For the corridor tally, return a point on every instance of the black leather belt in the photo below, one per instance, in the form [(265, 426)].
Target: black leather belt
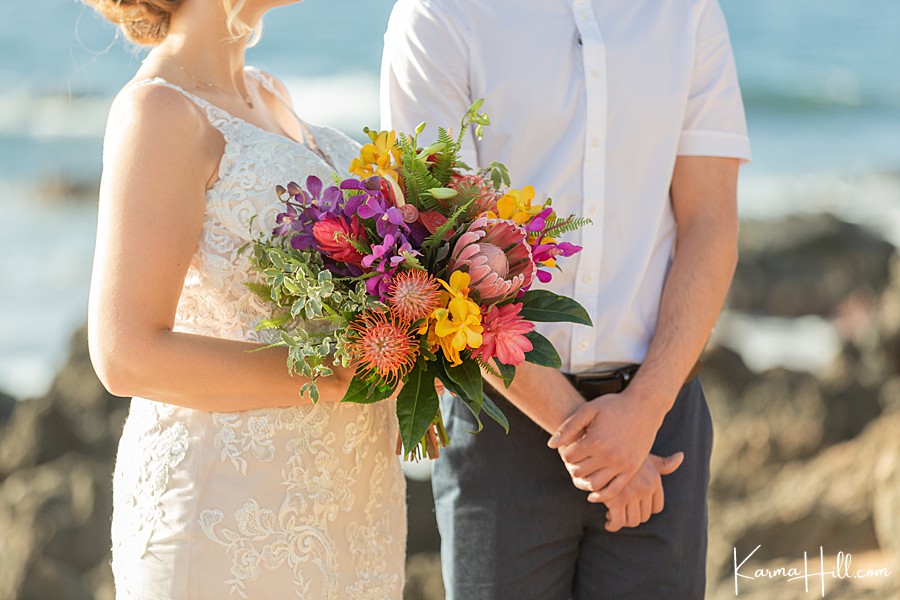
[(591, 385)]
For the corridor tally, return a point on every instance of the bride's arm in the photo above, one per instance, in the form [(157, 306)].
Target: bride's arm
[(159, 155)]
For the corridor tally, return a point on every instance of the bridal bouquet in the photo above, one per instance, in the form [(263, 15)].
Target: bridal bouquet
[(419, 270)]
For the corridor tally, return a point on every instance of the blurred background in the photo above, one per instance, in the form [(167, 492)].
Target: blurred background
[(802, 374)]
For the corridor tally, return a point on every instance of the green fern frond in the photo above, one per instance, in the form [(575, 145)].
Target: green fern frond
[(429, 202), (276, 322), (487, 367), (563, 226), (434, 240), (447, 158), (260, 289), (425, 179), (408, 156)]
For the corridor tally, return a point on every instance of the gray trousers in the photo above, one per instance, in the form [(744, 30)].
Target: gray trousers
[(513, 527)]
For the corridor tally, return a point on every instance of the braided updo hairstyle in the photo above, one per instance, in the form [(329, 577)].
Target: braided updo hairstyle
[(146, 22)]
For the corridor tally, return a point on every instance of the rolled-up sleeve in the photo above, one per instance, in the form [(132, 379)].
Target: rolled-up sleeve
[(714, 122), (425, 72)]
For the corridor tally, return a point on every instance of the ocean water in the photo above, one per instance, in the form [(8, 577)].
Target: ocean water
[(821, 81)]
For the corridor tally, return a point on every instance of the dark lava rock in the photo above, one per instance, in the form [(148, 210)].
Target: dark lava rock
[(806, 265), (7, 406)]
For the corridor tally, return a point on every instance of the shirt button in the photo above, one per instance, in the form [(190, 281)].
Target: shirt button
[(592, 210), (595, 73), (583, 345), (587, 278), (595, 142)]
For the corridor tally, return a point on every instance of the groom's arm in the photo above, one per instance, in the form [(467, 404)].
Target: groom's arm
[(425, 73), (543, 394)]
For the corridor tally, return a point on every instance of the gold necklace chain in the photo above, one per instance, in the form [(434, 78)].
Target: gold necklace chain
[(247, 99)]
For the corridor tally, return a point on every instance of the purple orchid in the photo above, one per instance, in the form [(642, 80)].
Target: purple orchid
[(388, 219), (305, 208)]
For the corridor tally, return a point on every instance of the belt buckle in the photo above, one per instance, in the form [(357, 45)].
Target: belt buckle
[(623, 375)]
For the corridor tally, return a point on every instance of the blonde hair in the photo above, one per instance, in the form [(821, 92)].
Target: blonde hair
[(237, 26), (146, 22)]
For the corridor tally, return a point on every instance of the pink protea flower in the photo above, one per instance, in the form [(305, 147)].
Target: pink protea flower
[(477, 187), (496, 255), (413, 295), (504, 335)]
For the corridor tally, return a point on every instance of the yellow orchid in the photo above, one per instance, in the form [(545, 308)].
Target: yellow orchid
[(516, 205), (458, 326), (381, 157)]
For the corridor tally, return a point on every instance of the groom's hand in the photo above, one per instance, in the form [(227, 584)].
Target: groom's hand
[(643, 497), (606, 441)]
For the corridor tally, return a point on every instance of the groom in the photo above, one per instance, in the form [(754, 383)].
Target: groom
[(628, 113)]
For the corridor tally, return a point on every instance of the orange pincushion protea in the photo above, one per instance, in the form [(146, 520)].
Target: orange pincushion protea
[(384, 343), (413, 295)]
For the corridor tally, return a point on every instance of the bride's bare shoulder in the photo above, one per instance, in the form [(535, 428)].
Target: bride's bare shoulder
[(160, 127), (149, 106)]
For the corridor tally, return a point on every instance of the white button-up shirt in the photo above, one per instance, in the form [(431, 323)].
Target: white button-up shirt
[(590, 102)]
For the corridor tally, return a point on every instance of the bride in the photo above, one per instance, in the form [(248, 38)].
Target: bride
[(227, 481)]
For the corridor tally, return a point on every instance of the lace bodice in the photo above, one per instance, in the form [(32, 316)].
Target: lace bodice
[(215, 300), (299, 502)]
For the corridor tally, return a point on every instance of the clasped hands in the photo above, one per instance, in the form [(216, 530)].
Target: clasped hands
[(605, 445)]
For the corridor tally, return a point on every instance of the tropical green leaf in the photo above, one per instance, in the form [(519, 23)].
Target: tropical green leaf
[(363, 391), (546, 307), (450, 384), (494, 412), (467, 379), (507, 372), (443, 193), (417, 404), (542, 353)]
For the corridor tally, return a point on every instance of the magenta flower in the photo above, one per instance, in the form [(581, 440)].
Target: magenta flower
[(496, 255), (504, 335), (544, 252)]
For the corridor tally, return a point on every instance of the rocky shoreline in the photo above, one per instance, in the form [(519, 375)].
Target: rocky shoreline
[(801, 460)]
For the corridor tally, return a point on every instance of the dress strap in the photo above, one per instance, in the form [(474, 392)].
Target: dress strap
[(308, 139), (219, 118), (269, 85)]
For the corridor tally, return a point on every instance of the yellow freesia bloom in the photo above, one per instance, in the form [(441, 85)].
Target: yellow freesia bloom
[(458, 326), (516, 205), (381, 157)]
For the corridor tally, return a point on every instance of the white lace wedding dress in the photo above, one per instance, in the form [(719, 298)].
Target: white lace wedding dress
[(302, 502)]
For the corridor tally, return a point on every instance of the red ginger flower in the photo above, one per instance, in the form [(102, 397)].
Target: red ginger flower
[(334, 235), (504, 335), (383, 343), (413, 295)]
